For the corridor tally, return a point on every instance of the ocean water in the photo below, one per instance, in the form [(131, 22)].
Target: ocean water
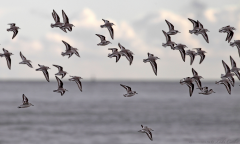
[(101, 115)]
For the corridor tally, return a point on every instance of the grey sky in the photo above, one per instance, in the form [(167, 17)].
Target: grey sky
[(138, 27)]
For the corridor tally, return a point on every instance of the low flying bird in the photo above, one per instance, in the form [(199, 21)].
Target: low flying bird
[(229, 30), (152, 59), (181, 47), (191, 54), (77, 80), (237, 44), (103, 40), (60, 87), (171, 29), (205, 91), (130, 93), (7, 55), (114, 53), (147, 131), (200, 52), (168, 41), (197, 78), (60, 71), (127, 53), (226, 84), (188, 81), (70, 50), (57, 22), (234, 69), (25, 102), (25, 61), (66, 24), (228, 75), (14, 29), (44, 70), (108, 25)]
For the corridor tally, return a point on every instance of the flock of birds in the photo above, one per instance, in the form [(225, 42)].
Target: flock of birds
[(198, 28)]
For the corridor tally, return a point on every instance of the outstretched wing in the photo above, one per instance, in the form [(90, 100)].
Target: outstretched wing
[(59, 67), (25, 99), (154, 66), (182, 52), (226, 68), (191, 88), (68, 47), (79, 84), (22, 56), (202, 58), (233, 63), (229, 35), (65, 18), (170, 26), (110, 29), (228, 86), (126, 87), (45, 72), (205, 36), (60, 83), (55, 16), (8, 61), (168, 38), (121, 47), (195, 24), (15, 32), (194, 72), (101, 37)]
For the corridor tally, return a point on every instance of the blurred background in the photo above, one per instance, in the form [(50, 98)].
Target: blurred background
[(100, 114)]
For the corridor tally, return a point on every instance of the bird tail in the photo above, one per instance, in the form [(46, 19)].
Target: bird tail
[(190, 31), (163, 44)]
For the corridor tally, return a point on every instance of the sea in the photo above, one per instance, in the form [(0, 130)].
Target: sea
[(102, 115)]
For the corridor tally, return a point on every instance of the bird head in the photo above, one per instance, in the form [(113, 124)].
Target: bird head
[(135, 92)]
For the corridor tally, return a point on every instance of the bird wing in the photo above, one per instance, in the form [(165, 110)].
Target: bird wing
[(110, 29), (120, 46), (79, 84), (105, 21), (101, 37), (192, 56), (182, 52), (232, 81), (228, 86), (25, 99), (22, 56), (199, 24), (76, 53), (191, 88), (226, 68), (68, 47), (154, 66), (59, 67), (55, 16), (237, 74), (65, 18), (8, 61), (205, 36), (170, 26), (45, 72), (60, 83), (168, 38), (229, 35), (202, 58), (149, 134), (195, 24), (199, 84), (194, 72), (5, 51), (113, 49), (15, 32), (233, 63), (126, 87), (29, 64)]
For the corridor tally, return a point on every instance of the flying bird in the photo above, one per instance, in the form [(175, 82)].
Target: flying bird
[(7, 55), (77, 80), (226, 84), (44, 70), (57, 22), (70, 50), (168, 41), (130, 93), (228, 73), (127, 53), (25, 102), (108, 25), (200, 52), (229, 30), (114, 53), (14, 29), (147, 131), (234, 69), (237, 44), (103, 40), (205, 91), (181, 47), (188, 81), (60, 87), (152, 59), (66, 24), (171, 29), (191, 54), (195, 26), (60, 71), (197, 78), (25, 61)]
